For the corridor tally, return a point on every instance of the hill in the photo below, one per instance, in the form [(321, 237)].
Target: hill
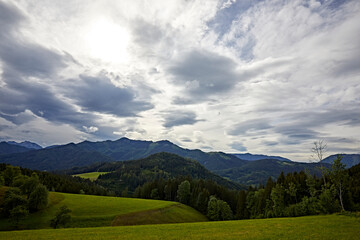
[(26, 144), (7, 148), (326, 227), (254, 157), (97, 211), (255, 172), (62, 157), (86, 153), (133, 173), (127, 149), (348, 159)]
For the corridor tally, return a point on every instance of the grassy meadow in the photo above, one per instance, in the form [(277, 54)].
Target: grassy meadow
[(97, 211), (309, 227), (90, 175)]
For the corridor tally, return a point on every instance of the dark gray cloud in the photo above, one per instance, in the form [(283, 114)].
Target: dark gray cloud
[(145, 33), (39, 99), (249, 126), (21, 56), (297, 132), (10, 16), (179, 118), (204, 74), (269, 143), (20, 60), (30, 59), (238, 146), (22, 99), (307, 125), (100, 95)]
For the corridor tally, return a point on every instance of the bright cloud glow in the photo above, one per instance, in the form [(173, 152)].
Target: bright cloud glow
[(107, 41)]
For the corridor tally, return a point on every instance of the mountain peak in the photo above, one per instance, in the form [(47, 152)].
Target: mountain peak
[(26, 144)]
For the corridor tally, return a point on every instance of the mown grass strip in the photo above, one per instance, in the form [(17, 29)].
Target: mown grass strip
[(310, 227)]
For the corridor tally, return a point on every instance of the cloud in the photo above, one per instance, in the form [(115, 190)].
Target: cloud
[(238, 146), (279, 72), (10, 16), (21, 56), (91, 129), (179, 118), (252, 125), (204, 74), (99, 94)]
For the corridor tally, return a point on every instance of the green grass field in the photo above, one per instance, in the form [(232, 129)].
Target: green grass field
[(97, 211), (91, 175), (310, 227)]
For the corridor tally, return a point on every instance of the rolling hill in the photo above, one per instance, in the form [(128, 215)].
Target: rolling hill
[(255, 172), (254, 157), (100, 211), (348, 159), (160, 165)]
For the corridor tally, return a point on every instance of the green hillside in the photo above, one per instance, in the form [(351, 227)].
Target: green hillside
[(133, 173), (90, 175), (255, 172), (97, 211), (330, 227)]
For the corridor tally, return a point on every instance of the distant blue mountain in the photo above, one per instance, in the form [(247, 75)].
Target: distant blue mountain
[(255, 157), (348, 159), (7, 148), (26, 144)]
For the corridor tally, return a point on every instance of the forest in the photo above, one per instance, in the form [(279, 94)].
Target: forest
[(291, 195)]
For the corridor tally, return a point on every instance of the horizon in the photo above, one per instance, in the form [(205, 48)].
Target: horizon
[(312, 160), (267, 77)]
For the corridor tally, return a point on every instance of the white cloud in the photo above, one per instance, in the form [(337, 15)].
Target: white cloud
[(223, 74)]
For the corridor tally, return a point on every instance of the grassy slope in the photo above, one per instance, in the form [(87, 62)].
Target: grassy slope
[(90, 175), (311, 227), (96, 211)]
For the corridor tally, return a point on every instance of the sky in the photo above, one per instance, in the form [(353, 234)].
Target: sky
[(265, 77)]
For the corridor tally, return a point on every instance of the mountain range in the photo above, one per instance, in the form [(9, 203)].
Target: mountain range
[(254, 157), (241, 168), (348, 159), (26, 144)]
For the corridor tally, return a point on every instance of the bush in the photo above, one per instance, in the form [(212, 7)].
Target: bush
[(62, 217), (38, 198)]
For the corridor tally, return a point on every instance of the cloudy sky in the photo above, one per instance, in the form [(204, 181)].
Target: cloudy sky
[(266, 77)]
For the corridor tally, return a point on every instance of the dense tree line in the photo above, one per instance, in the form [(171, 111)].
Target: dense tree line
[(294, 194), (128, 175), (53, 182), (26, 195), (27, 192)]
